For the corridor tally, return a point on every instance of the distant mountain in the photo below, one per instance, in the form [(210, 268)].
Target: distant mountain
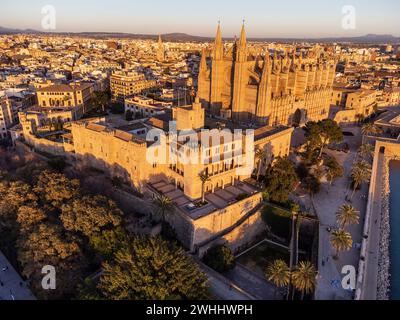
[(17, 31), (183, 37)]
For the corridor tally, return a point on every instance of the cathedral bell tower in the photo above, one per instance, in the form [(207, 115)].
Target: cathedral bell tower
[(264, 91), (217, 70), (160, 50), (239, 110)]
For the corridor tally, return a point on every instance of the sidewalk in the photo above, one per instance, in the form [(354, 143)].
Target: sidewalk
[(327, 203), (222, 287), (12, 286)]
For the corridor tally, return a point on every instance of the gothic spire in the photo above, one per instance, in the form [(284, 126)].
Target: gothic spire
[(203, 62), (218, 37), (243, 40), (219, 46)]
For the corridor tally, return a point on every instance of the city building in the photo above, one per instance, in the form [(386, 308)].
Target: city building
[(160, 50), (351, 105), (171, 163), (63, 95), (391, 96), (13, 101), (6, 116), (126, 84), (143, 107)]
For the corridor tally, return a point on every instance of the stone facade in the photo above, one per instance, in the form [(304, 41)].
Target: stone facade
[(126, 84), (278, 90), (62, 95), (231, 213), (160, 50)]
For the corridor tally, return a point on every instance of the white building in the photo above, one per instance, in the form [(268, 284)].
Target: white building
[(145, 107)]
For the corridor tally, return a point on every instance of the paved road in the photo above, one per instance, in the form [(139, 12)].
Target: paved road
[(11, 285), (222, 287), (253, 283)]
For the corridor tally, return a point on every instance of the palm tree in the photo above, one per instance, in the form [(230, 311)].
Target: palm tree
[(366, 151), (361, 173), (341, 241), (304, 278), (368, 129), (204, 178), (260, 156), (163, 206), (347, 215), (294, 242), (278, 273)]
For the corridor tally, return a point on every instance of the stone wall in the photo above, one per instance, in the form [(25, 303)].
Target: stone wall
[(46, 146), (242, 236), (384, 153), (236, 225)]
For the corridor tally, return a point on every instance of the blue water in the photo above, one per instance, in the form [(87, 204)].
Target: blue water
[(395, 229)]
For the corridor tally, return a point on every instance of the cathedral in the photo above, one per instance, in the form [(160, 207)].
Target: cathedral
[(160, 50), (282, 89)]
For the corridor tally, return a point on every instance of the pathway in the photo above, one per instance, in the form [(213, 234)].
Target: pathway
[(252, 283), (327, 202), (12, 287)]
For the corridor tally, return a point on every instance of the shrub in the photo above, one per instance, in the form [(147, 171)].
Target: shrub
[(266, 196), (220, 258), (278, 221), (57, 164), (168, 232)]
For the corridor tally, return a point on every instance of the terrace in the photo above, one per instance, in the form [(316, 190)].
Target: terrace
[(220, 199)]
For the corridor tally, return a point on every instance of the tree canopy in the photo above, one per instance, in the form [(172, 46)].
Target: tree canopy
[(151, 268), (56, 188), (219, 258), (320, 134), (280, 180), (90, 214)]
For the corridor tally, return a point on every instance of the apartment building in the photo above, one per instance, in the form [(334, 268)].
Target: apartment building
[(65, 95), (145, 107), (126, 84), (352, 105), (6, 118), (13, 101)]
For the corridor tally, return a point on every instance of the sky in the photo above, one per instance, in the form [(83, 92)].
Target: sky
[(263, 18)]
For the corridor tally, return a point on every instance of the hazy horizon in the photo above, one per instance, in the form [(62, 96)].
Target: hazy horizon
[(264, 18)]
